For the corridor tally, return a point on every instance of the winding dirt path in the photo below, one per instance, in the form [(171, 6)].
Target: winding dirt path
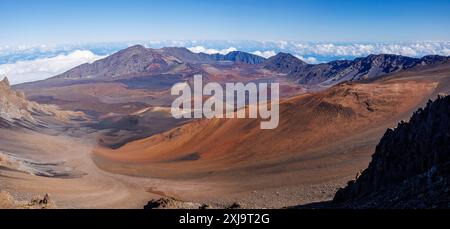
[(93, 189)]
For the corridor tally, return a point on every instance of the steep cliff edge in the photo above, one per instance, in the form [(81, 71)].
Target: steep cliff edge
[(410, 167)]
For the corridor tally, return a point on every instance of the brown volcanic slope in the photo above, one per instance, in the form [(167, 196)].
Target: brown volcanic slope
[(322, 137)]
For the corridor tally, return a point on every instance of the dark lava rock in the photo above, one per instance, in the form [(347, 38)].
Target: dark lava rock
[(410, 167), (363, 68)]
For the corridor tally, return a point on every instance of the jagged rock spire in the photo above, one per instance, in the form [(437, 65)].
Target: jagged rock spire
[(5, 81), (410, 166)]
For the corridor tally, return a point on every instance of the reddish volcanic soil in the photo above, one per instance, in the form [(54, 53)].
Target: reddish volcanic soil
[(322, 141)]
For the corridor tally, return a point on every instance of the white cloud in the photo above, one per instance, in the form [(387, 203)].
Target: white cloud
[(282, 44), (24, 63), (32, 70), (412, 49), (309, 60), (265, 54), (201, 49), (446, 52)]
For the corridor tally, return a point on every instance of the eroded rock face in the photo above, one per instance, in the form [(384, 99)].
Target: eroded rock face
[(12, 104), (15, 109), (410, 167), (5, 83)]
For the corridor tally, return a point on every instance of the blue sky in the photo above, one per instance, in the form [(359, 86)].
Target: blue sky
[(42, 38), (64, 21)]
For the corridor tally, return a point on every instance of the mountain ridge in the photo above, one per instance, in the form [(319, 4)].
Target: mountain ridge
[(139, 61), (188, 56), (361, 68)]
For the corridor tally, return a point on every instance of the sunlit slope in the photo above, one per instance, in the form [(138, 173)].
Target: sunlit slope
[(330, 131)]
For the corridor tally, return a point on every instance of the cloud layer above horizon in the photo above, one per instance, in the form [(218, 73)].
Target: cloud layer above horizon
[(42, 68), (31, 63)]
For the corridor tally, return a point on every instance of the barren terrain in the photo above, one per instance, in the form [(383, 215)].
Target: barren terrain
[(126, 150)]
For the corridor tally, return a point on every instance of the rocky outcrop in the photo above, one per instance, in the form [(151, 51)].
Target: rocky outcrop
[(13, 105), (410, 167), (335, 72), (5, 83), (7, 201), (171, 203), (16, 110)]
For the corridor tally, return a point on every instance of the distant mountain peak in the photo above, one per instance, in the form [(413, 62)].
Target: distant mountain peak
[(238, 52), (284, 63), (361, 68), (183, 49), (138, 60), (188, 56), (284, 55), (287, 56), (136, 47), (243, 57), (134, 60)]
